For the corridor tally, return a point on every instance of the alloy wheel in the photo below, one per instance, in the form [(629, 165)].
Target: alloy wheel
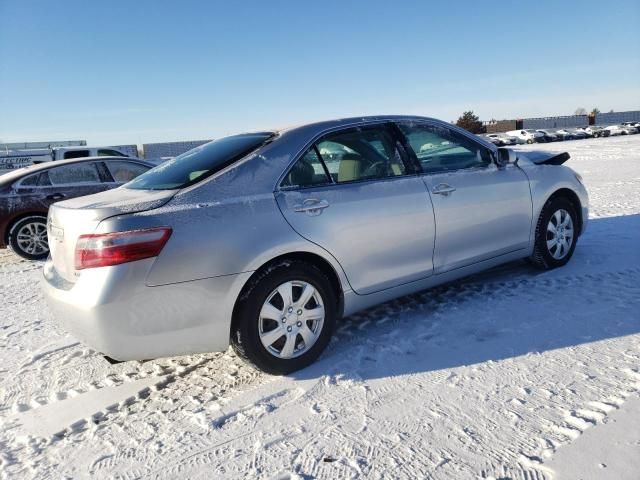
[(32, 238), (560, 234), (291, 319)]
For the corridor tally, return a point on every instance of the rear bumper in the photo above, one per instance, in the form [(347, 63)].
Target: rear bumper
[(112, 310)]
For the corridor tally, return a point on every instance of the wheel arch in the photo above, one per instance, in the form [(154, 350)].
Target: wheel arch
[(14, 220), (575, 201), (308, 257)]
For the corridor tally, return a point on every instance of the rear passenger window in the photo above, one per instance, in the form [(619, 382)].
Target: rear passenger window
[(441, 149), (307, 171), (74, 173), (347, 156), (361, 154)]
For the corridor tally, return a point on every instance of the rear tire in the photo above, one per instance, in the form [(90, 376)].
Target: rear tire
[(28, 237), (556, 234), (306, 312)]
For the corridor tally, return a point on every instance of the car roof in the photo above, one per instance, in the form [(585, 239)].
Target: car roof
[(15, 175), (347, 121), (311, 130)]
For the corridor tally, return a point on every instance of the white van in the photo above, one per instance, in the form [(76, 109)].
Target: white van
[(527, 135)]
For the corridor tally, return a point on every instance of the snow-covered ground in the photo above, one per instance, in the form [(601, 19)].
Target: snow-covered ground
[(512, 374)]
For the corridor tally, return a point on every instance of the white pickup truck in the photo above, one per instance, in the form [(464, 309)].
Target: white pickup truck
[(14, 159)]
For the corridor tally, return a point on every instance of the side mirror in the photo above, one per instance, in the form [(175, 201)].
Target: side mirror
[(506, 156)]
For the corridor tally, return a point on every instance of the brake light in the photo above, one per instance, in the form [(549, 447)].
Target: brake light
[(105, 249)]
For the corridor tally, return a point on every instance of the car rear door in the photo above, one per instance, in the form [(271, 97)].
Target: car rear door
[(481, 211), (355, 194), (70, 181)]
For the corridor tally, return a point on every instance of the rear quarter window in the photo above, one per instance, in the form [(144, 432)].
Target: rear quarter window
[(123, 172), (30, 181)]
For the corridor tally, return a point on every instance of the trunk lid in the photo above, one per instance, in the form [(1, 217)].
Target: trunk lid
[(79, 216)]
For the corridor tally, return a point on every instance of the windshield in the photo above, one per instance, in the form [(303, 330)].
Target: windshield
[(199, 163)]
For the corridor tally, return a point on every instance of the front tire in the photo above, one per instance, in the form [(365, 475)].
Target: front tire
[(285, 317), (28, 238), (556, 234)]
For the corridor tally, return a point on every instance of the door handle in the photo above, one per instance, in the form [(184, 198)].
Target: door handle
[(56, 196), (443, 189), (311, 205)]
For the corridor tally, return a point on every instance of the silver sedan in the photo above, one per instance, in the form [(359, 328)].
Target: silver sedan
[(264, 240)]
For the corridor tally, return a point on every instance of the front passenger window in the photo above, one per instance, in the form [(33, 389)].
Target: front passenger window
[(440, 149)]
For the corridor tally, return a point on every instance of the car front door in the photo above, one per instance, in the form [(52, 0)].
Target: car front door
[(354, 193), (481, 211)]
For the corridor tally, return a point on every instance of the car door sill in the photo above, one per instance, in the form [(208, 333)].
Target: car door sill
[(468, 265), (355, 302)]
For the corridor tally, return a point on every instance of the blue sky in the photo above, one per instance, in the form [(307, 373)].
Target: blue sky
[(123, 71)]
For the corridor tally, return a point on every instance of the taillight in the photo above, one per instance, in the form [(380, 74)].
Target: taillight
[(104, 249)]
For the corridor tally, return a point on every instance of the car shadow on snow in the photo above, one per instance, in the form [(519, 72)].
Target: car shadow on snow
[(506, 312)]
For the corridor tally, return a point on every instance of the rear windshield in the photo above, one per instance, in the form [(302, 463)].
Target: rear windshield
[(199, 163)]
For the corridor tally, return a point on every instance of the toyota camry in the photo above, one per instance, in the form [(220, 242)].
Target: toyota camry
[(264, 240)]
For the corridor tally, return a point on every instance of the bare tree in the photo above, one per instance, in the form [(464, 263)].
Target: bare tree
[(581, 111)]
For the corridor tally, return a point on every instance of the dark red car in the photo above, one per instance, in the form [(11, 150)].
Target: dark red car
[(27, 193)]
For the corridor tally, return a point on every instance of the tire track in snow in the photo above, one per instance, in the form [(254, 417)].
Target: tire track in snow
[(530, 461), (382, 318)]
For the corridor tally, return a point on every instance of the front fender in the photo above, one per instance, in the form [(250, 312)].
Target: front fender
[(547, 179)]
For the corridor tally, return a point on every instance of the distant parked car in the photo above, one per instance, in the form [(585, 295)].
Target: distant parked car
[(493, 139), (595, 131), (586, 131), (621, 130), (577, 133), (523, 136), (549, 135), (537, 136), (566, 134), (631, 124), (501, 139), (27, 193)]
